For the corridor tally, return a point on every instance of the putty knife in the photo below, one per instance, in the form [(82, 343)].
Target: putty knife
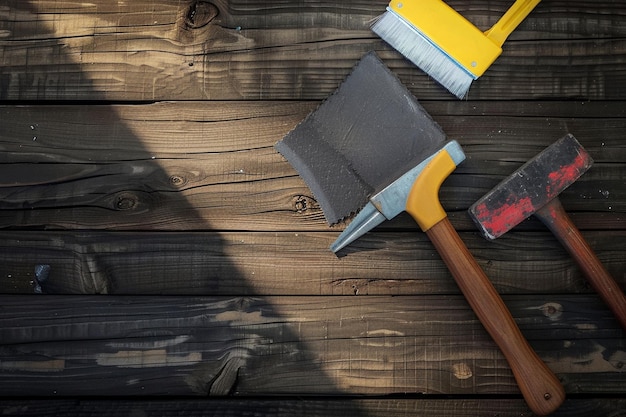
[(372, 134), (332, 148)]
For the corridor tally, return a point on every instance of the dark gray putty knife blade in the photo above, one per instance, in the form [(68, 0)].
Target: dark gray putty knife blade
[(368, 133)]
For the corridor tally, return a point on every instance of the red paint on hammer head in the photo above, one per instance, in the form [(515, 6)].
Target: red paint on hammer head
[(566, 175), (531, 187), (499, 221)]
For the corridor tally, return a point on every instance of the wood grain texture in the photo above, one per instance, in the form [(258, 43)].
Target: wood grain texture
[(211, 165), (304, 407), (258, 50), (125, 346), (136, 161), (296, 263)]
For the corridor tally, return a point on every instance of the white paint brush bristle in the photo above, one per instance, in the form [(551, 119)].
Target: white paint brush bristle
[(407, 40)]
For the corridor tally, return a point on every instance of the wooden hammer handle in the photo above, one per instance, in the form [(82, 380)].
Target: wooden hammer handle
[(553, 215), (541, 388)]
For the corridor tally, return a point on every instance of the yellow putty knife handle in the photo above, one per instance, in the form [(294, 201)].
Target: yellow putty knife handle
[(542, 390), (510, 20)]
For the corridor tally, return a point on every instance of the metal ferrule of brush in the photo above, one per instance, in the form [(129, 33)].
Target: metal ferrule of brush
[(390, 201)]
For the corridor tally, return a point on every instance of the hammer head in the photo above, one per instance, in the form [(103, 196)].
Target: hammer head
[(530, 187)]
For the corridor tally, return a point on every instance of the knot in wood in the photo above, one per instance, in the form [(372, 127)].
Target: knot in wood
[(553, 311), (125, 201), (302, 203), (200, 13), (178, 180), (462, 371)]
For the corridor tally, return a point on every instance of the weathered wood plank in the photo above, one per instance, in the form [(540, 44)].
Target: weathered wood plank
[(198, 203), (339, 407), (243, 49), (72, 346), (200, 165), (296, 263)]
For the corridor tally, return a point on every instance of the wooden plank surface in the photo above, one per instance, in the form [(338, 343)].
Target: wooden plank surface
[(241, 49), (198, 165), (78, 345), (117, 168), (295, 263), (137, 166), (332, 407)]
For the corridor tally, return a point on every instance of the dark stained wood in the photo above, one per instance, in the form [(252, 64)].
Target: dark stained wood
[(94, 345), (137, 162), (258, 50), (296, 263), (304, 407)]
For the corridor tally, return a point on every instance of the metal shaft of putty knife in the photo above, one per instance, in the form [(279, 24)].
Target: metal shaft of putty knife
[(417, 193), (533, 190), (391, 201)]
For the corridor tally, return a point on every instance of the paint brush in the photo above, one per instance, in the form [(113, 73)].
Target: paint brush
[(444, 44)]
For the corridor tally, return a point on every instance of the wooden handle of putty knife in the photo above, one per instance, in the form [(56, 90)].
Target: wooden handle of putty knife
[(541, 388), (553, 215)]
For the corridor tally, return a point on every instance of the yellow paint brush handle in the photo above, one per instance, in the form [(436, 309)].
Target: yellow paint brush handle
[(510, 20)]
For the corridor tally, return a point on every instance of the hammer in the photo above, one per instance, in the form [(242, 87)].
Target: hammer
[(533, 190)]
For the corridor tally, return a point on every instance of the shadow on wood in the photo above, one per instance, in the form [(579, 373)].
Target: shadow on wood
[(108, 173)]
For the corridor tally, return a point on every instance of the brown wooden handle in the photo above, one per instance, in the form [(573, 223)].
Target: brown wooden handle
[(553, 215), (541, 388)]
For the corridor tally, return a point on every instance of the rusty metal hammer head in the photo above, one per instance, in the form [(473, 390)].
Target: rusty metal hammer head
[(531, 187)]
